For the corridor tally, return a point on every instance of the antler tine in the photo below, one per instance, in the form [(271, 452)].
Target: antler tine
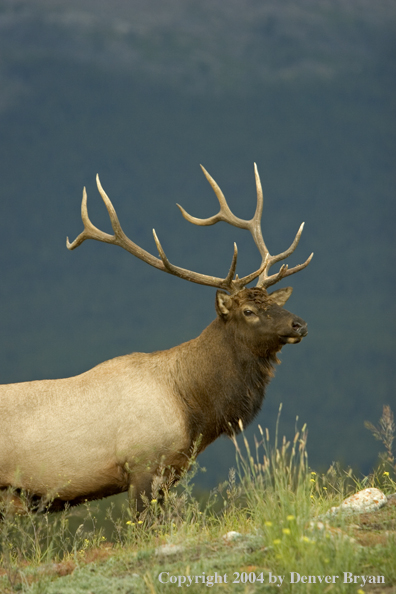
[(92, 232), (224, 213), (255, 226), (225, 283), (231, 273), (266, 281), (119, 238), (283, 272)]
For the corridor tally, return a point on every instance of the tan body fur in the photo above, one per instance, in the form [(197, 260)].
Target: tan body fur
[(70, 438)]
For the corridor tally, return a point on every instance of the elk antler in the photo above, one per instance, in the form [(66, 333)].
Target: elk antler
[(229, 283), (254, 226)]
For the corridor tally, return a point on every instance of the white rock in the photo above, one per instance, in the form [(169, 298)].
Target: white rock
[(232, 535), (368, 500)]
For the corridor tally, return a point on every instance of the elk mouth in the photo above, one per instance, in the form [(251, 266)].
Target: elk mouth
[(296, 335), (291, 339)]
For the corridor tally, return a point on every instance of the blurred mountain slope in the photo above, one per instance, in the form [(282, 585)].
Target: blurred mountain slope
[(209, 46)]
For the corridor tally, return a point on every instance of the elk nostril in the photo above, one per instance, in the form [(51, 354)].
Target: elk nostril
[(300, 328)]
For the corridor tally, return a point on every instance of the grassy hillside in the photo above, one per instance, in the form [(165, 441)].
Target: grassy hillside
[(269, 522)]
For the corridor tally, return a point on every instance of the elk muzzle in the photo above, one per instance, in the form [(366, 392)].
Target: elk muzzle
[(298, 329)]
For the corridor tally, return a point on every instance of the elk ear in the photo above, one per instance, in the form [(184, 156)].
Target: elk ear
[(280, 296), (223, 304)]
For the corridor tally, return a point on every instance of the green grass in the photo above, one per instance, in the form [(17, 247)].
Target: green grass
[(273, 500)]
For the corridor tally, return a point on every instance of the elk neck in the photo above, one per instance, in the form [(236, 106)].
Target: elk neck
[(219, 382)]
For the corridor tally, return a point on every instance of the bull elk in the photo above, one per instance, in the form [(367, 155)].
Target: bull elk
[(112, 428)]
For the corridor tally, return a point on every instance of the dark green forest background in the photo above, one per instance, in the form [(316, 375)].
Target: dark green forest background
[(144, 91)]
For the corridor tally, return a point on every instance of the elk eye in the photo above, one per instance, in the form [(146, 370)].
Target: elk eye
[(248, 312)]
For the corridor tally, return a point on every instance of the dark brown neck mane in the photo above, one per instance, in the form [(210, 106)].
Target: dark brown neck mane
[(220, 381)]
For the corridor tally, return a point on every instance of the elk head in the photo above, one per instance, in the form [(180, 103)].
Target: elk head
[(260, 319)]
